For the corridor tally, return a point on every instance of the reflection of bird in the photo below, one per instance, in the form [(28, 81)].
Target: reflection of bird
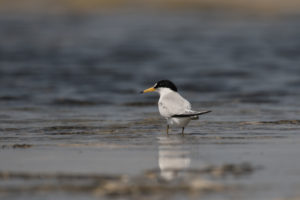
[(172, 106), (173, 159)]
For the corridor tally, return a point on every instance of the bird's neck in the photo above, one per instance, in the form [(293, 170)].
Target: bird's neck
[(164, 91)]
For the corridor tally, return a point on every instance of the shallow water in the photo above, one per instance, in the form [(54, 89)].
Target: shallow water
[(74, 126)]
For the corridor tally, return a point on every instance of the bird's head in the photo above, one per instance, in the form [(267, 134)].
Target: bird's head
[(162, 86)]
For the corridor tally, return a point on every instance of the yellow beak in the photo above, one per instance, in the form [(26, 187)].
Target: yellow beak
[(152, 89)]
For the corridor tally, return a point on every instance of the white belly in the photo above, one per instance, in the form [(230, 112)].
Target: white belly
[(178, 122)]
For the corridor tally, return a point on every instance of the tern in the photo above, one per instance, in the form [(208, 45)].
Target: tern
[(172, 106)]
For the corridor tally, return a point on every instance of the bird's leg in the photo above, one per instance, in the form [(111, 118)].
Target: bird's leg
[(167, 129), (182, 131)]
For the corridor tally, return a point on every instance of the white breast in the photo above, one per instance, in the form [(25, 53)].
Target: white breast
[(171, 103)]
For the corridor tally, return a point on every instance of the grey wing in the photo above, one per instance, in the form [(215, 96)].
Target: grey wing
[(173, 104)]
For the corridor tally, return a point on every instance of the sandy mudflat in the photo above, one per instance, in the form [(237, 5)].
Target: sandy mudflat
[(73, 125)]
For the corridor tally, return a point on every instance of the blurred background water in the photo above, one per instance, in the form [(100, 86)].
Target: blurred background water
[(70, 73), (99, 59)]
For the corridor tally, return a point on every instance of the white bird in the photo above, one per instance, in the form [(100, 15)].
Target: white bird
[(172, 106)]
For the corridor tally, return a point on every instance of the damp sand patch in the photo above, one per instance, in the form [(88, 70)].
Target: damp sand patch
[(148, 184), (16, 146), (278, 122), (215, 171)]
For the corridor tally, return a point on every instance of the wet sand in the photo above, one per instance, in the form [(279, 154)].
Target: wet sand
[(82, 158), (73, 125)]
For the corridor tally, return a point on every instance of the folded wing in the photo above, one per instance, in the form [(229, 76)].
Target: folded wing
[(191, 113), (172, 104)]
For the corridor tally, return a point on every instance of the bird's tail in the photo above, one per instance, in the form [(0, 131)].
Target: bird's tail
[(192, 114)]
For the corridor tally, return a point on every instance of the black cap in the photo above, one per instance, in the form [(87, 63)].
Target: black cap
[(165, 84)]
